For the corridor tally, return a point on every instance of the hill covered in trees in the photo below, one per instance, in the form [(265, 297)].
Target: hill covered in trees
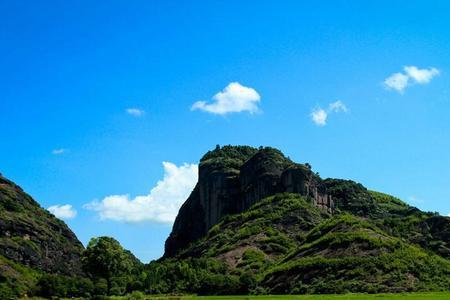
[(255, 223)]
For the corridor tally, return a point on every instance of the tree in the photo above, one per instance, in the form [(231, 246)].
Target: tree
[(53, 285), (105, 258)]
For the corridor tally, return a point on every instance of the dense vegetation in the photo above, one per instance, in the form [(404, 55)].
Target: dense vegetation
[(227, 158), (15, 279), (284, 244)]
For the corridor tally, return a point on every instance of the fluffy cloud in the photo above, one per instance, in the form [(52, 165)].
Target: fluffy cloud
[(59, 151), (412, 74), (63, 211), (160, 205), (421, 76), (397, 81), (234, 98), (135, 112), (319, 115)]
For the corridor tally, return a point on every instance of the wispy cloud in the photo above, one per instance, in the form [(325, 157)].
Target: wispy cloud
[(64, 212), (337, 106), (59, 151), (135, 112), (233, 99), (412, 75), (160, 205), (320, 116)]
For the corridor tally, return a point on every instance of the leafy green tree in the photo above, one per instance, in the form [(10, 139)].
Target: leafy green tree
[(105, 258)]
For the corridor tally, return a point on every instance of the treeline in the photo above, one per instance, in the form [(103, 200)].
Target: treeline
[(113, 271)]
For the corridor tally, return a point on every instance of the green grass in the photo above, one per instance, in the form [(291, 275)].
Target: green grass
[(401, 296)]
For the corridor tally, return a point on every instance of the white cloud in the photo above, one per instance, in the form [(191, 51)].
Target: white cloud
[(234, 98), (320, 116), (400, 81), (59, 151), (397, 81), (337, 106), (421, 76), (135, 112), (63, 211), (160, 205)]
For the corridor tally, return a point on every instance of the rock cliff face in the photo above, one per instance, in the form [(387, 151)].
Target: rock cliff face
[(31, 236), (231, 180)]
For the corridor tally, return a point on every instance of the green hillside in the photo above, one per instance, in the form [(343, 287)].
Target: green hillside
[(284, 244)]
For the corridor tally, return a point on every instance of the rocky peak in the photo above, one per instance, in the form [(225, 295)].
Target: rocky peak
[(231, 180), (260, 176)]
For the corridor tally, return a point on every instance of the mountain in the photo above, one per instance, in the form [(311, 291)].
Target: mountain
[(32, 237), (277, 227), (231, 180)]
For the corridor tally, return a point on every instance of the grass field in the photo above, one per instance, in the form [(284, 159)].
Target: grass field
[(399, 296), (406, 296)]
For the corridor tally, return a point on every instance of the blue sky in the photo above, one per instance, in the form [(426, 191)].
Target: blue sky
[(96, 95)]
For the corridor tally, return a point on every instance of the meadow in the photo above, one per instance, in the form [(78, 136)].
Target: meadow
[(400, 296)]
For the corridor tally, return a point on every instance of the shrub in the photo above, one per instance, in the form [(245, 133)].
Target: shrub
[(136, 295)]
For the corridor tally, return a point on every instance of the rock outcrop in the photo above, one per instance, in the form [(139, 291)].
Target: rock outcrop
[(231, 180), (32, 236)]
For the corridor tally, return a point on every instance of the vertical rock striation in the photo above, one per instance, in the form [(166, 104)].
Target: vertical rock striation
[(231, 180)]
